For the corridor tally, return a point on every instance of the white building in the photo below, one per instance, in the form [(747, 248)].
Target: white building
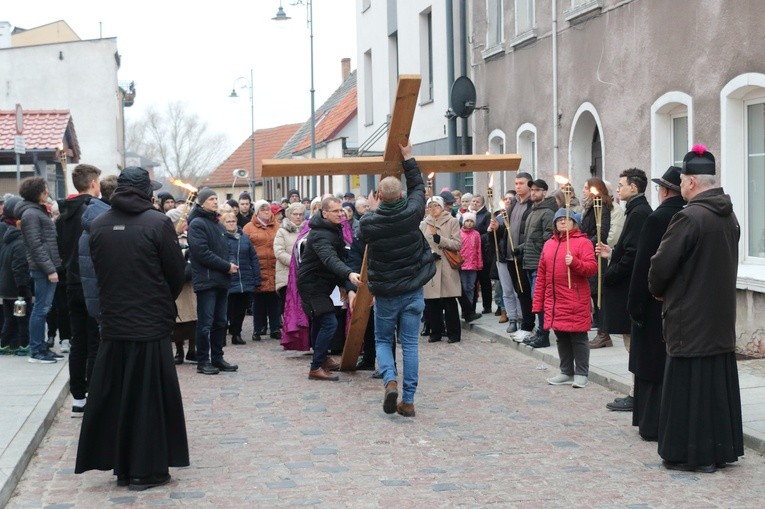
[(71, 74), (410, 37)]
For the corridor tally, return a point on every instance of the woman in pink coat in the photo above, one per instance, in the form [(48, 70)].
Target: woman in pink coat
[(567, 307), (471, 253)]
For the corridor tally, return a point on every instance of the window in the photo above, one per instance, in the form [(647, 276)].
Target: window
[(755, 177), (368, 92), (365, 4), (495, 15), (581, 10), (527, 148), (524, 16), (393, 70), (426, 55), (679, 141)]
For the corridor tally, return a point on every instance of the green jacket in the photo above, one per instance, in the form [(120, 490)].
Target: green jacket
[(538, 230)]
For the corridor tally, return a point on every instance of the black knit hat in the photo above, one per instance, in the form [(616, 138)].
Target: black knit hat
[(293, 191), (698, 162), (540, 184)]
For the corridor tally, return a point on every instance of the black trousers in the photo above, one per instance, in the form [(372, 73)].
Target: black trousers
[(15, 329), (524, 297), (58, 316), (437, 308), (85, 340), (484, 278), (236, 310), (265, 311)]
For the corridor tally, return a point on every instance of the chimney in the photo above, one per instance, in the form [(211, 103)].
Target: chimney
[(345, 64), (5, 35)]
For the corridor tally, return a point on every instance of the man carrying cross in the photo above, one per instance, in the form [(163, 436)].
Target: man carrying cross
[(399, 264)]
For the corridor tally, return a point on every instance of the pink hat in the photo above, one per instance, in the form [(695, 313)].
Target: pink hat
[(468, 215)]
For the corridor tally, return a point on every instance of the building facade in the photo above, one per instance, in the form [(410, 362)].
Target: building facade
[(592, 87)]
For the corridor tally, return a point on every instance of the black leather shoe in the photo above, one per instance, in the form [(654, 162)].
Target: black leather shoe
[(276, 335), (144, 483), (224, 366), (540, 342), (191, 357), (622, 405), (207, 369), (685, 467), (453, 340), (179, 357), (237, 340), (425, 331), (123, 480), (434, 339), (487, 311), (255, 336)]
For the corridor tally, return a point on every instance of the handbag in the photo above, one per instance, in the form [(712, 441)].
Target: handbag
[(455, 258)]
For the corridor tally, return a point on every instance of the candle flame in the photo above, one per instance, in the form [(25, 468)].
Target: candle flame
[(60, 146), (560, 179), (491, 181), (594, 190), (431, 175), (184, 185)]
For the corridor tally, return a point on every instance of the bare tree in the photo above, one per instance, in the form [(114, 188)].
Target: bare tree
[(178, 139)]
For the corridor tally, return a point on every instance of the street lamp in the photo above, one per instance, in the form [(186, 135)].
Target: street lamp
[(245, 83), (282, 16)]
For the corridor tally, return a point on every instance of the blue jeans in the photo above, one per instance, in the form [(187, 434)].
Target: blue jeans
[(323, 329), (44, 291), (403, 311), (211, 324)]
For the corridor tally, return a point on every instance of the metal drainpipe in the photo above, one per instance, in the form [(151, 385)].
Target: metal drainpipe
[(451, 124), (463, 67), (555, 83)]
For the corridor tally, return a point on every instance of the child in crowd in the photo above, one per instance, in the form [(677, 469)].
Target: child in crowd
[(14, 283), (471, 253), (566, 305)]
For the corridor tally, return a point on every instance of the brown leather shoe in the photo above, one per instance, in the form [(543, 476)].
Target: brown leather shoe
[(503, 316), (331, 363), (391, 396), (602, 340), (405, 409), (322, 374)]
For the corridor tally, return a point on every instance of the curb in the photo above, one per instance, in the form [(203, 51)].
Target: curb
[(24, 444)]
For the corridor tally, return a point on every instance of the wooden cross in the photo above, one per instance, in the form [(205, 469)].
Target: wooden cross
[(389, 164)]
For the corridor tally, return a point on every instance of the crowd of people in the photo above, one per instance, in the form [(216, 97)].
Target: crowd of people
[(139, 268)]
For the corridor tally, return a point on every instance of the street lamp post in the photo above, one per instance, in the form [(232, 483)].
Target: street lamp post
[(282, 16), (249, 84)]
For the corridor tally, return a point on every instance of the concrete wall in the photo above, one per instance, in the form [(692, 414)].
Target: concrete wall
[(615, 64), (78, 76)]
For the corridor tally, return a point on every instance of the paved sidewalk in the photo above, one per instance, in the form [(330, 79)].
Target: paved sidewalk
[(608, 367), (489, 432), (30, 398)]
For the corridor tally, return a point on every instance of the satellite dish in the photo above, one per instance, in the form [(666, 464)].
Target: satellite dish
[(462, 97), (240, 173)]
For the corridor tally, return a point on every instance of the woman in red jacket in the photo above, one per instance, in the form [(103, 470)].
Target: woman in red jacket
[(567, 307)]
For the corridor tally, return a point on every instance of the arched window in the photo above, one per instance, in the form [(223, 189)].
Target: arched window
[(671, 133), (498, 145), (742, 169), (586, 151)]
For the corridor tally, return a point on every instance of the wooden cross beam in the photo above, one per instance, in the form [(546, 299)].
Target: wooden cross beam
[(389, 164)]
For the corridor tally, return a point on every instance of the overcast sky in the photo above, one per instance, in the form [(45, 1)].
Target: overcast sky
[(194, 51)]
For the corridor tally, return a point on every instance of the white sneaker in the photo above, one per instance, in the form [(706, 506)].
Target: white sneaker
[(520, 335), (65, 346), (580, 382), (561, 379)]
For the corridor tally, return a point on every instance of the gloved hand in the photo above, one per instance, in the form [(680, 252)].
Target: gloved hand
[(517, 251), (436, 238)]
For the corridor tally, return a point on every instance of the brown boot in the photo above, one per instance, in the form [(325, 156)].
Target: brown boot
[(601, 340), (391, 396), (405, 409), (503, 316), (322, 374)]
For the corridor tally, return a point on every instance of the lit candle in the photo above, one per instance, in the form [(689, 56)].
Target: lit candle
[(566, 189), (597, 206)]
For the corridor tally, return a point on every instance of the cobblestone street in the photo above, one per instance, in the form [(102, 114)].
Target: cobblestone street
[(489, 432)]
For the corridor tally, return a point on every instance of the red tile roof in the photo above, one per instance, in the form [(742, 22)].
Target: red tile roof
[(43, 131), (333, 121), (267, 143)]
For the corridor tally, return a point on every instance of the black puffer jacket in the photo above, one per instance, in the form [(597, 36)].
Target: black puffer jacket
[(398, 257), (322, 266), (14, 269), (68, 232), (208, 248), (39, 234), (139, 267)]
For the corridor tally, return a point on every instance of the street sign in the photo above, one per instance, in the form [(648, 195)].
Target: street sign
[(19, 120), (18, 145)]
